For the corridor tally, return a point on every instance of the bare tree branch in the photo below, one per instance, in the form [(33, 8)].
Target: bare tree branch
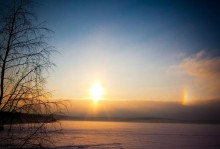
[(24, 63)]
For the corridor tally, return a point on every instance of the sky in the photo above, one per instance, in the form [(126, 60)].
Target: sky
[(138, 50)]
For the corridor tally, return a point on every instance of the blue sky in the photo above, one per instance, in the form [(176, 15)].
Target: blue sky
[(138, 50)]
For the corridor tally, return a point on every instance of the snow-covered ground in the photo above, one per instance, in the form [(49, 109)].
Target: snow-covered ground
[(125, 135)]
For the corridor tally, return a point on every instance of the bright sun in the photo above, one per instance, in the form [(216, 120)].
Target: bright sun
[(96, 91)]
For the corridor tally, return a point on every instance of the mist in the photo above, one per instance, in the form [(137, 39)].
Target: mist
[(200, 110)]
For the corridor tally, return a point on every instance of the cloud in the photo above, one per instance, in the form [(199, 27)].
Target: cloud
[(204, 74), (200, 65), (203, 110)]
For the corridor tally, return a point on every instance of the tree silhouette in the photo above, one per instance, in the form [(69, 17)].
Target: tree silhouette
[(24, 64)]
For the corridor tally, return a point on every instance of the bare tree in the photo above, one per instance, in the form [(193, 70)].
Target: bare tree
[(24, 63)]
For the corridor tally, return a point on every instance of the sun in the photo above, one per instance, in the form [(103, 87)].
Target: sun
[(96, 91)]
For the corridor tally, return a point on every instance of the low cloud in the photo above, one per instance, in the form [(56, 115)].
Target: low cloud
[(202, 110), (204, 74)]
